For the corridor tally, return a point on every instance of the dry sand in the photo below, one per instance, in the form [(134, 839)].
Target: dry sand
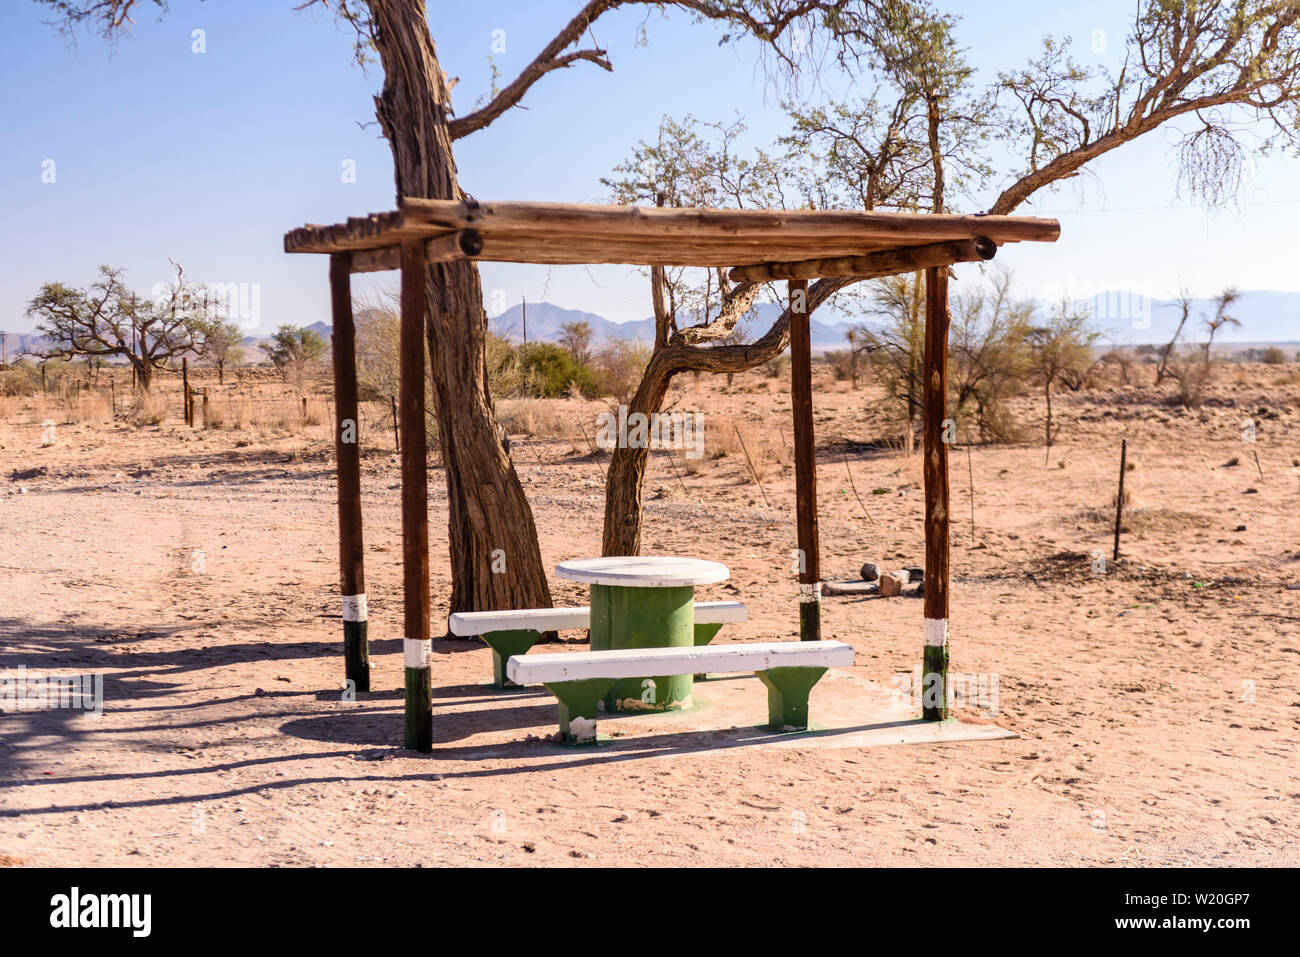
[(1156, 704)]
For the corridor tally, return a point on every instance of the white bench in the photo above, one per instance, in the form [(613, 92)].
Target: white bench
[(579, 680), (514, 631)]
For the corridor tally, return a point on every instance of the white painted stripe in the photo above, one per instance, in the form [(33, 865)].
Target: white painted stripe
[(354, 607), (417, 652), (936, 632), (810, 592), (651, 662)]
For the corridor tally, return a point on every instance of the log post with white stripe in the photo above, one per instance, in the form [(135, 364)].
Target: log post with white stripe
[(347, 450), (417, 645), (805, 464), (934, 680)]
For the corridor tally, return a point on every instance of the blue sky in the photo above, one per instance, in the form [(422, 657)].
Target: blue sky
[(208, 158)]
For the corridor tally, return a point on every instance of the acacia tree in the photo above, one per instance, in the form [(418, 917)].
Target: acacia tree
[(222, 346), (293, 348), (487, 510), (887, 159), (108, 319), (1062, 346)]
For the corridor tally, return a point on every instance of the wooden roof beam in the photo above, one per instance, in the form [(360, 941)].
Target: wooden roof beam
[(886, 262), (462, 244)]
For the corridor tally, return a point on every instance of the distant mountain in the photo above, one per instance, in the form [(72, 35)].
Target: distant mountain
[(1123, 318), (1130, 318)]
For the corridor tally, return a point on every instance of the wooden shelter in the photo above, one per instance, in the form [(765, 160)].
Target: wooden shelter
[(759, 245)]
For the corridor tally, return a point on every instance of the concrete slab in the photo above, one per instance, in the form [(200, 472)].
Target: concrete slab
[(848, 711)]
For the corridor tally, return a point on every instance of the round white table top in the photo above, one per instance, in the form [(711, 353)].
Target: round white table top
[(643, 571)]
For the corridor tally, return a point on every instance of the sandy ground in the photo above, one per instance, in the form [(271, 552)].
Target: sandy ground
[(1155, 703)]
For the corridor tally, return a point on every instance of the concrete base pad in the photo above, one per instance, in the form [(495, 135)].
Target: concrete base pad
[(846, 711)]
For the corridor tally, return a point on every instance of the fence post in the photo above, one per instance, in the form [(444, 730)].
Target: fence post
[(347, 446), (934, 675), (418, 645)]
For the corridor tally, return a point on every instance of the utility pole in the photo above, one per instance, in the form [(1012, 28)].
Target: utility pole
[(523, 305)]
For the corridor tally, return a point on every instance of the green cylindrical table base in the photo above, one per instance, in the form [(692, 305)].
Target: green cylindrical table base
[(644, 618)]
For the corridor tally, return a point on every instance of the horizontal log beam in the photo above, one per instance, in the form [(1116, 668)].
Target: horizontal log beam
[(462, 244), (578, 233), (887, 262)]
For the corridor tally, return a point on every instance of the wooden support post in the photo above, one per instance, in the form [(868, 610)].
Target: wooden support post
[(205, 407), (934, 683), (1119, 498), (185, 383), (397, 439), (347, 450), (415, 514), (805, 464)]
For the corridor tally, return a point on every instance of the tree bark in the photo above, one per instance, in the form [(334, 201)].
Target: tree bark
[(495, 559), (623, 482)]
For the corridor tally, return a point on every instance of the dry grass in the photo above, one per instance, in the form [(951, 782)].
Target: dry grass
[(1139, 519), (149, 409)]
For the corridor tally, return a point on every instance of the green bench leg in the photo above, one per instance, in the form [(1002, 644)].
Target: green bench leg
[(578, 700), (703, 635), (504, 644), (706, 633), (787, 696)]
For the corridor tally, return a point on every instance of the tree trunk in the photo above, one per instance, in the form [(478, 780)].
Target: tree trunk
[(143, 371), (627, 469), (495, 559)]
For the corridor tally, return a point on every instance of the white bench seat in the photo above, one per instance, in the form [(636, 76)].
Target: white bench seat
[(789, 669), (513, 631)]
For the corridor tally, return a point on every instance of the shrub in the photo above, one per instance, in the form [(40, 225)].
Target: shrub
[(548, 370), (619, 366)]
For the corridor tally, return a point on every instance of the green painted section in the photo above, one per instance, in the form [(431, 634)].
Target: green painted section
[(600, 626), (706, 633), (787, 696), (578, 703), (810, 621), (356, 653), (644, 618), (703, 635), (504, 644), (419, 710), (934, 683)]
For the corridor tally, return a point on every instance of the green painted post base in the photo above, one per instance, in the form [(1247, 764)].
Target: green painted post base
[(810, 621), (419, 710), (504, 644), (934, 683), (787, 696), (578, 702), (644, 618), (356, 654)]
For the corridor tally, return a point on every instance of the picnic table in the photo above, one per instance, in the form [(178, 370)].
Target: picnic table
[(644, 602)]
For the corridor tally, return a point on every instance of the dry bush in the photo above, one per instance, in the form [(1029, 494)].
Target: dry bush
[(522, 416), (90, 407), (619, 366), (149, 409), (20, 379), (1139, 519), (778, 367), (315, 412), (756, 449)]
